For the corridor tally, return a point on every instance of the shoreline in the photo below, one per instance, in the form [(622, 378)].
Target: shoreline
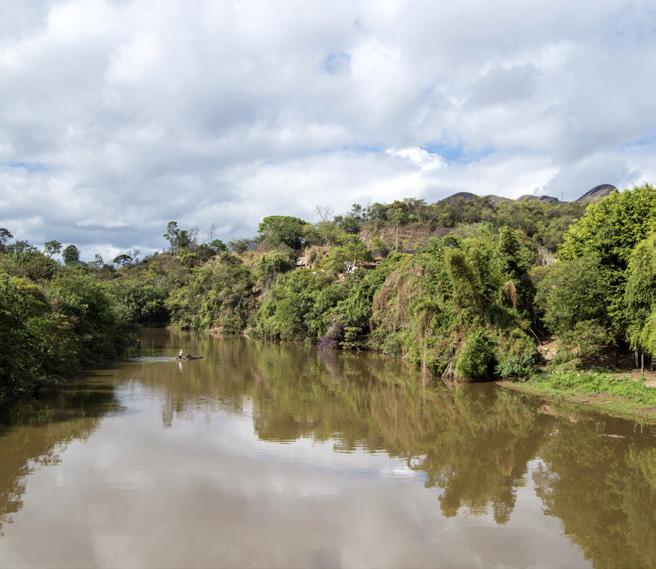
[(640, 407), (607, 402)]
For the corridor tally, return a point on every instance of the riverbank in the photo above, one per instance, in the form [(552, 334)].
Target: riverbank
[(619, 394)]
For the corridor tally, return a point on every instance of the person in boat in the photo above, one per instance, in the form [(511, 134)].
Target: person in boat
[(180, 354)]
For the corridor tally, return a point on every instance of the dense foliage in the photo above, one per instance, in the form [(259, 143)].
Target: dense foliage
[(479, 284), (469, 287), (52, 329)]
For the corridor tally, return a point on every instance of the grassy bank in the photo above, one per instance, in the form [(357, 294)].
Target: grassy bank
[(616, 394)]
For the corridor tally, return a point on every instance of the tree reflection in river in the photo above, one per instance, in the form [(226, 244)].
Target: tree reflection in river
[(33, 434), (599, 478), (479, 447), (598, 474)]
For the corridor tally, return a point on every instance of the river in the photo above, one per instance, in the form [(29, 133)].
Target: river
[(267, 455)]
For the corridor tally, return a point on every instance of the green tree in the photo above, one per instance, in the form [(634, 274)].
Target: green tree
[(277, 230), (218, 246), (272, 264), (177, 237), (611, 228), (219, 295), (52, 247), (295, 307), (123, 260), (476, 359), (5, 237), (609, 231), (515, 260), (71, 255), (640, 296), (574, 291), (345, 258), (240, 246)]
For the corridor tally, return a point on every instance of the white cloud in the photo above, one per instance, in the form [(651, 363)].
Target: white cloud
[(133, 113)]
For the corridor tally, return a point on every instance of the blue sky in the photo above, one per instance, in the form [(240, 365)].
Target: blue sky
[(117, 116)]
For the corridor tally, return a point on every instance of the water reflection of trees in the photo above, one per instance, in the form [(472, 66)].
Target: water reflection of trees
[(473, 443), (603, 487), (33, 434), (597, 475)]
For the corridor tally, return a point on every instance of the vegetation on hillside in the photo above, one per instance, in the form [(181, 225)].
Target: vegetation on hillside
[(468, 288)]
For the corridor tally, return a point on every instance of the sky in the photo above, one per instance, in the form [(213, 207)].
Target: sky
[(117, 116)]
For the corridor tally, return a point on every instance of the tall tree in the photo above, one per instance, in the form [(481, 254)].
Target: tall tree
[(52, 247), (283, 229), (640, 296), (177, 237), (5, 237), (609, 231), (71, 255)]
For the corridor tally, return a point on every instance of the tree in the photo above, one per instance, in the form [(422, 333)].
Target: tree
[(324, 213), (218, 246), (282, 230), (19, 247), (71, 255), (515, 264), (35, 265), (290, 310), (219, 295), (5, 237), (574, 291), (611, 228), (345, 259), (178, 238), (399, 216), (123, 260), (52, 247), (98, 261), (271, 264), (640, 295), (240, 246), (609, 231)]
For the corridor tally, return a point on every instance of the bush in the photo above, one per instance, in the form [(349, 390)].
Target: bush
[(51, 331), (297, 307), (272, 264), (476, 358), (219, 295), (586, 340), (517, 357), (574, 291)]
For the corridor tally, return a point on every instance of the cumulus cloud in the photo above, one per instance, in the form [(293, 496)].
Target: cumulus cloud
[(117, 116)]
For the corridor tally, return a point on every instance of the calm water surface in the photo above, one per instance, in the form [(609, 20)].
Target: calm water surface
[(263, 455)]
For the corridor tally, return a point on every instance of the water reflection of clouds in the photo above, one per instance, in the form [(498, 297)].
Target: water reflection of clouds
[(208, 489)]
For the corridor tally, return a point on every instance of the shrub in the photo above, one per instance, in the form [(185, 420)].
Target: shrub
[(517, 356), (476, 358)]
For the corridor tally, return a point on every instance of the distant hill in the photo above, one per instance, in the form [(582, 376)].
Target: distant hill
[(459, 196), (593, 195), (597, 193), (547, 199)]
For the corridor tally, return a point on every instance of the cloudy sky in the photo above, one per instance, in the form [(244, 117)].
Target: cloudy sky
[(117, 116)]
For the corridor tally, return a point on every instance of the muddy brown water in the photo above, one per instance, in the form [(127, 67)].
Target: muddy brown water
[(265, 455)]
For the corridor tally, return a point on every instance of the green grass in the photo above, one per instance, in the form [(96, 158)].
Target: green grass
[(604, 391)]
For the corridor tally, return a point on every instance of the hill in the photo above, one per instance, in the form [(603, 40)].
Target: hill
[(597, 193)]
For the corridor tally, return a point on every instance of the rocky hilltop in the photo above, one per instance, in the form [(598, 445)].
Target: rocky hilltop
[(597, 193), (591, 196)]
